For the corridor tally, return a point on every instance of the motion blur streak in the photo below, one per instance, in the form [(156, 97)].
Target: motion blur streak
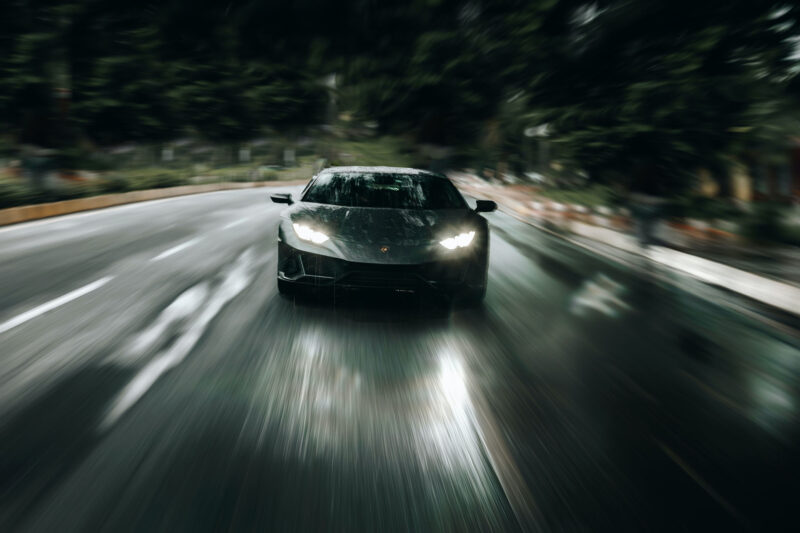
[(175, 249), (187, 395), (235, 280)]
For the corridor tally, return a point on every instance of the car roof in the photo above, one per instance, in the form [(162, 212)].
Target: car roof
[(381, 170)]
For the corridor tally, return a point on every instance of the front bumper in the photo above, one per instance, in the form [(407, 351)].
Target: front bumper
[(302, 268)]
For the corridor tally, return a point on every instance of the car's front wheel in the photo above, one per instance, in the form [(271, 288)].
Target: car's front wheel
[(473, 294), (473, 297)]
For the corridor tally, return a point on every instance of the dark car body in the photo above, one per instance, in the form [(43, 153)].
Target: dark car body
[(384, 229)]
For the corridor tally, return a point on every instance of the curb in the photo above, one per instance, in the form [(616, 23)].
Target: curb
[(26, 213), (767, 291), (776, 294)]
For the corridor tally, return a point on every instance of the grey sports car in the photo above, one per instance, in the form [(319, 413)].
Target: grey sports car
[(397, 229)]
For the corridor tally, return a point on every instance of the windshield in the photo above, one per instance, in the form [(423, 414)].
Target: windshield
[(395, 191)]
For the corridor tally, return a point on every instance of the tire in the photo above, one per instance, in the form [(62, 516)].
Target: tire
[(475, 296), (472, 297)]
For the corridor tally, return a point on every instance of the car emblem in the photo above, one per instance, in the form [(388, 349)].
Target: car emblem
[(384, 249)]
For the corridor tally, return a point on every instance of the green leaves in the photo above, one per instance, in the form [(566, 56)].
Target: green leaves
[(659, 85)]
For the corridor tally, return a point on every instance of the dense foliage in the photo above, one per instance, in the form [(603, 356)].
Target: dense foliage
[(641, 92), (646, 91)]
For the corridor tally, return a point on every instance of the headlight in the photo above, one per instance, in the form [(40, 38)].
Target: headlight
[(308, 234), (459, 241)]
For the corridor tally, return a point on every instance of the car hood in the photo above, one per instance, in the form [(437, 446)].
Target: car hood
[(362, 233)]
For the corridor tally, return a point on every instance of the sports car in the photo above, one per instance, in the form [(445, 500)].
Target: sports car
[(383, 228)]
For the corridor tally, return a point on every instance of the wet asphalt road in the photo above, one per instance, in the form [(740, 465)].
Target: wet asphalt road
[(151, 379)]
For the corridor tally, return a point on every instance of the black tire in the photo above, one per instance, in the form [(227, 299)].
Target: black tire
[(469, 297), (473, 297)]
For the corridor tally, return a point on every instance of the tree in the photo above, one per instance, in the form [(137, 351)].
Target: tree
[(30, 64), (645, 92), (430, 68)]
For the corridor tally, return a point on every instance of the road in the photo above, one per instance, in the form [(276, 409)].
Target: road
[(152, 379)]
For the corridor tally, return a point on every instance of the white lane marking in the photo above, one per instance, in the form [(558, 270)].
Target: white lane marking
[(181, 308), (600, 293), (236, 223), (237, 278), (176, 249), (52, 304)]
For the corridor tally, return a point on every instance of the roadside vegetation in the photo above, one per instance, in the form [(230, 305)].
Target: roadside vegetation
[(592, 196), (760, 223), (108, 174)]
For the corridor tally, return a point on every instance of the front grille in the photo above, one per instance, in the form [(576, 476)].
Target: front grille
[(345, 273)]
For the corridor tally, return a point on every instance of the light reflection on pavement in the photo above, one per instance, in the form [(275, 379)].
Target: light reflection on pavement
[(185, 394)]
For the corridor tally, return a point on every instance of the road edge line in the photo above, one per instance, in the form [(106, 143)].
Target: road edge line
[(739, 308)]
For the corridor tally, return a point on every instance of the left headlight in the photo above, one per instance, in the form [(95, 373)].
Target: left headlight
[(461, 240), (308, 234)]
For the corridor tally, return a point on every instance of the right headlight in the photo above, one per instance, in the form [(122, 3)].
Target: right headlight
[(462, 240), (308, 234)]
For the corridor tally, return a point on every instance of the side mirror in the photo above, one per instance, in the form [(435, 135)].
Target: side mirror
[(282, 198), (485, 206)]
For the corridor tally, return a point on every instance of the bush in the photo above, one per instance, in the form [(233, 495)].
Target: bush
[(766, 225), (162, 180), (241, 177), (155, 178), (70, 192), (113, 184), (13, 194), (268, 175), (704, 208)]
